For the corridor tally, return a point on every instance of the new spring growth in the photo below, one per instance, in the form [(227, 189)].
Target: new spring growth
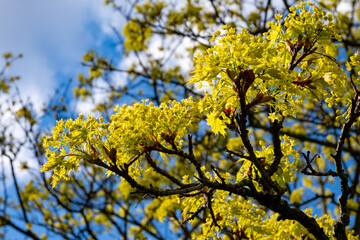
[(242, 80)]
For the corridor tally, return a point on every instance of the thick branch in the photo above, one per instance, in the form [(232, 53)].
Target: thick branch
[(275, 130), (344, 218), (275, 203), (242, 129)]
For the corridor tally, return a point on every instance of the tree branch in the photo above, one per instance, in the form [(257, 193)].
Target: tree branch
[(344, 218)]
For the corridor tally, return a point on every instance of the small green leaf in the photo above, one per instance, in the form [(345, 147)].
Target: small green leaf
[(217, 125)]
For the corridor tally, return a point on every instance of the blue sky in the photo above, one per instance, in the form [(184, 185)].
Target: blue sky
[(52, 36)]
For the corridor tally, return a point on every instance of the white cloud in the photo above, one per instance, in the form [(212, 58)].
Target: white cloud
[(344, 7), (53, 36)]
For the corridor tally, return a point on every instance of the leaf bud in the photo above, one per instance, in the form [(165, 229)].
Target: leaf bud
[(228, 111), (307, 44), (93, 152), (231, 74), (266, 99), (218, 217), (168, 137), (300, 42), (289, 47), (248, 171), (262, 159), (248, 78)]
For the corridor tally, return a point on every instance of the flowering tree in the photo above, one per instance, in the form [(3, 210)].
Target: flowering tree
[(269, 102)]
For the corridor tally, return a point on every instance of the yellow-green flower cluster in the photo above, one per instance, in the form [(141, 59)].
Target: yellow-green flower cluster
[(131, 131), (70, 141), (137, 128), (271, 58)]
